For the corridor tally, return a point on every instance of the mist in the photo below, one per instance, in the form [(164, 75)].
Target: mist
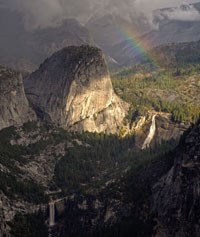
[(188, 13), (50, 13)]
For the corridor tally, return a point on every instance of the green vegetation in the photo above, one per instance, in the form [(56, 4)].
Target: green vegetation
[(102, 164), (178, 54), (30, 225), (91, 160), (95, 159), (26, 190), (131, 226), (93, 163), (101, 159), (132, 185), (11, 157), (174, 90)]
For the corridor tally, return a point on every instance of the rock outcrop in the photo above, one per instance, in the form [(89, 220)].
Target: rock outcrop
[(177, 194), (149, 134), (14, 106), (73, 89)]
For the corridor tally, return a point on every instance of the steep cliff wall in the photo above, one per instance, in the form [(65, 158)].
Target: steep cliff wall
[(73, 89), (177, 194), (154, 128), (14, 107)]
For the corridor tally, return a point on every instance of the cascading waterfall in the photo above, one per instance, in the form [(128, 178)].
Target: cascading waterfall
[(52, 210), (51, 214), (151, 134)]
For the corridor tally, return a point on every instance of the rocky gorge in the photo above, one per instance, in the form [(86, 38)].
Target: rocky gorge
[(14, 107), (69, 151)]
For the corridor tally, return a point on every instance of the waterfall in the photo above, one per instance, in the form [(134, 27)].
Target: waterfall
[(151, 134), (51, 214)]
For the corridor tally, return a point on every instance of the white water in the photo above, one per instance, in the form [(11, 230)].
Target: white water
[(151, 134), (51, 214), (52, 210)]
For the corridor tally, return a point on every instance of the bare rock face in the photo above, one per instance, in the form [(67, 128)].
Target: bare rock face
[(14, 106), (165, 129), (177, 194), (73, 89)]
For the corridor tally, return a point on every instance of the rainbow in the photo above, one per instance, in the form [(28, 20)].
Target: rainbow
[(139, 47)]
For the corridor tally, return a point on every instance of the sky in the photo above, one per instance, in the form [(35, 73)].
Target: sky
[(44, 13)]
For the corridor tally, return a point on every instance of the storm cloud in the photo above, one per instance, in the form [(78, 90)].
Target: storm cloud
[(189, 13), (45, 13)]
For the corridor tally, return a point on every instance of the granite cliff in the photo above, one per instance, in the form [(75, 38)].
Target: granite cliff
[(73, 89), (158, 199), (95, 185), (14, 108), (177, 194)]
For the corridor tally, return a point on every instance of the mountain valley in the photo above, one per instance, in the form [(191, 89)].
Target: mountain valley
[(99, 135), (82, 173)]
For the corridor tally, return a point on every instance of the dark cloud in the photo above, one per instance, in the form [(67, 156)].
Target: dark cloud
[(45, 13)]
